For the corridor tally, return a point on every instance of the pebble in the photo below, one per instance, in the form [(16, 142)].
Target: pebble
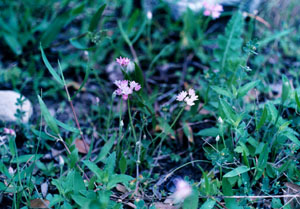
[(8, 107)]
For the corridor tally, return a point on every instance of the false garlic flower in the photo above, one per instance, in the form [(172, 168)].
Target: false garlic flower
[(213, 10), (123, 61), (183, 190), (126, 88), (189, 97), (9, 131)]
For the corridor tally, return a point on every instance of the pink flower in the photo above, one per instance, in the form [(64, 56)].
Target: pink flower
[(181, 96), (9, 131), (123, 61), (124, 89), (189, 97), (134, 85), (213, 10), (183, 190)]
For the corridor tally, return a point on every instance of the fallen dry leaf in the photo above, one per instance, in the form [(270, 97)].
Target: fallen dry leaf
[(291, 190), (82, 148), (39, 203)]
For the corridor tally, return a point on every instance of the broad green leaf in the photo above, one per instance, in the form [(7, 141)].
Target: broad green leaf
[(192, 201), (94, 168), (247, 87), (50, 68), (237, 171), (47, 116), (209, 204), (262, 119), (110, 163), (272, 111), (96, 18), (208, 132), (222, 91), (227, 190), (227, 110), (106, 148), (118, 178), (78, 182)]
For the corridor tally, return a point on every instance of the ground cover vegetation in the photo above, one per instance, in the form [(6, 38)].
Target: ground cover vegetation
[(135, 107)]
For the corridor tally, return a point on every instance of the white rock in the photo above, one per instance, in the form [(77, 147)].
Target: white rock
[(8, 107)]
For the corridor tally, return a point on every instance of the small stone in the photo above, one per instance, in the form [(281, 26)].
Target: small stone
[(8, 106)]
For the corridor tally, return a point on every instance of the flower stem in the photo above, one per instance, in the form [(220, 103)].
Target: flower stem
[(131, 123), (163, 132)]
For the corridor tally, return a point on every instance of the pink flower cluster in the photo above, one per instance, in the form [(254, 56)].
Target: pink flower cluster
[(123, 61), (126, 88), (189, 97), (9, 131), (213, 10)]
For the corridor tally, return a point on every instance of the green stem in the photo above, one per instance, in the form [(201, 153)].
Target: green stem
[(120, 129), (131, 123), (164, 137)]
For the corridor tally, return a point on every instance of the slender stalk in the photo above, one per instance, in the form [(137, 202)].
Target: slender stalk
[(120, 129), (76, 119), (164, 137), (131, 123)]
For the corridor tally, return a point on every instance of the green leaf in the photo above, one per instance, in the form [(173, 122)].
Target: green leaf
[(275, 36), (237, 171), (192, 201), (227, 190), (26, 158), (87, 73), (208, 132), (78, 182), (247, 87), (66, 126), (297, 100), (73, 158), (123, 164), (58, 23), (118, 178), (222, 91), (209, 204), (94, 168), (124, 35), (13, 43), (292, 137), (262, 161), (106, 148), (50, 68), (138, 75), (47, 116), (285, 89), (262, 119), (230, 44), (96, 18), (140, 31), (227, 111)]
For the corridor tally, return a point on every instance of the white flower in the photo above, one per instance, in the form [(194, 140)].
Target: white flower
[(183, 190), (181, 96)]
